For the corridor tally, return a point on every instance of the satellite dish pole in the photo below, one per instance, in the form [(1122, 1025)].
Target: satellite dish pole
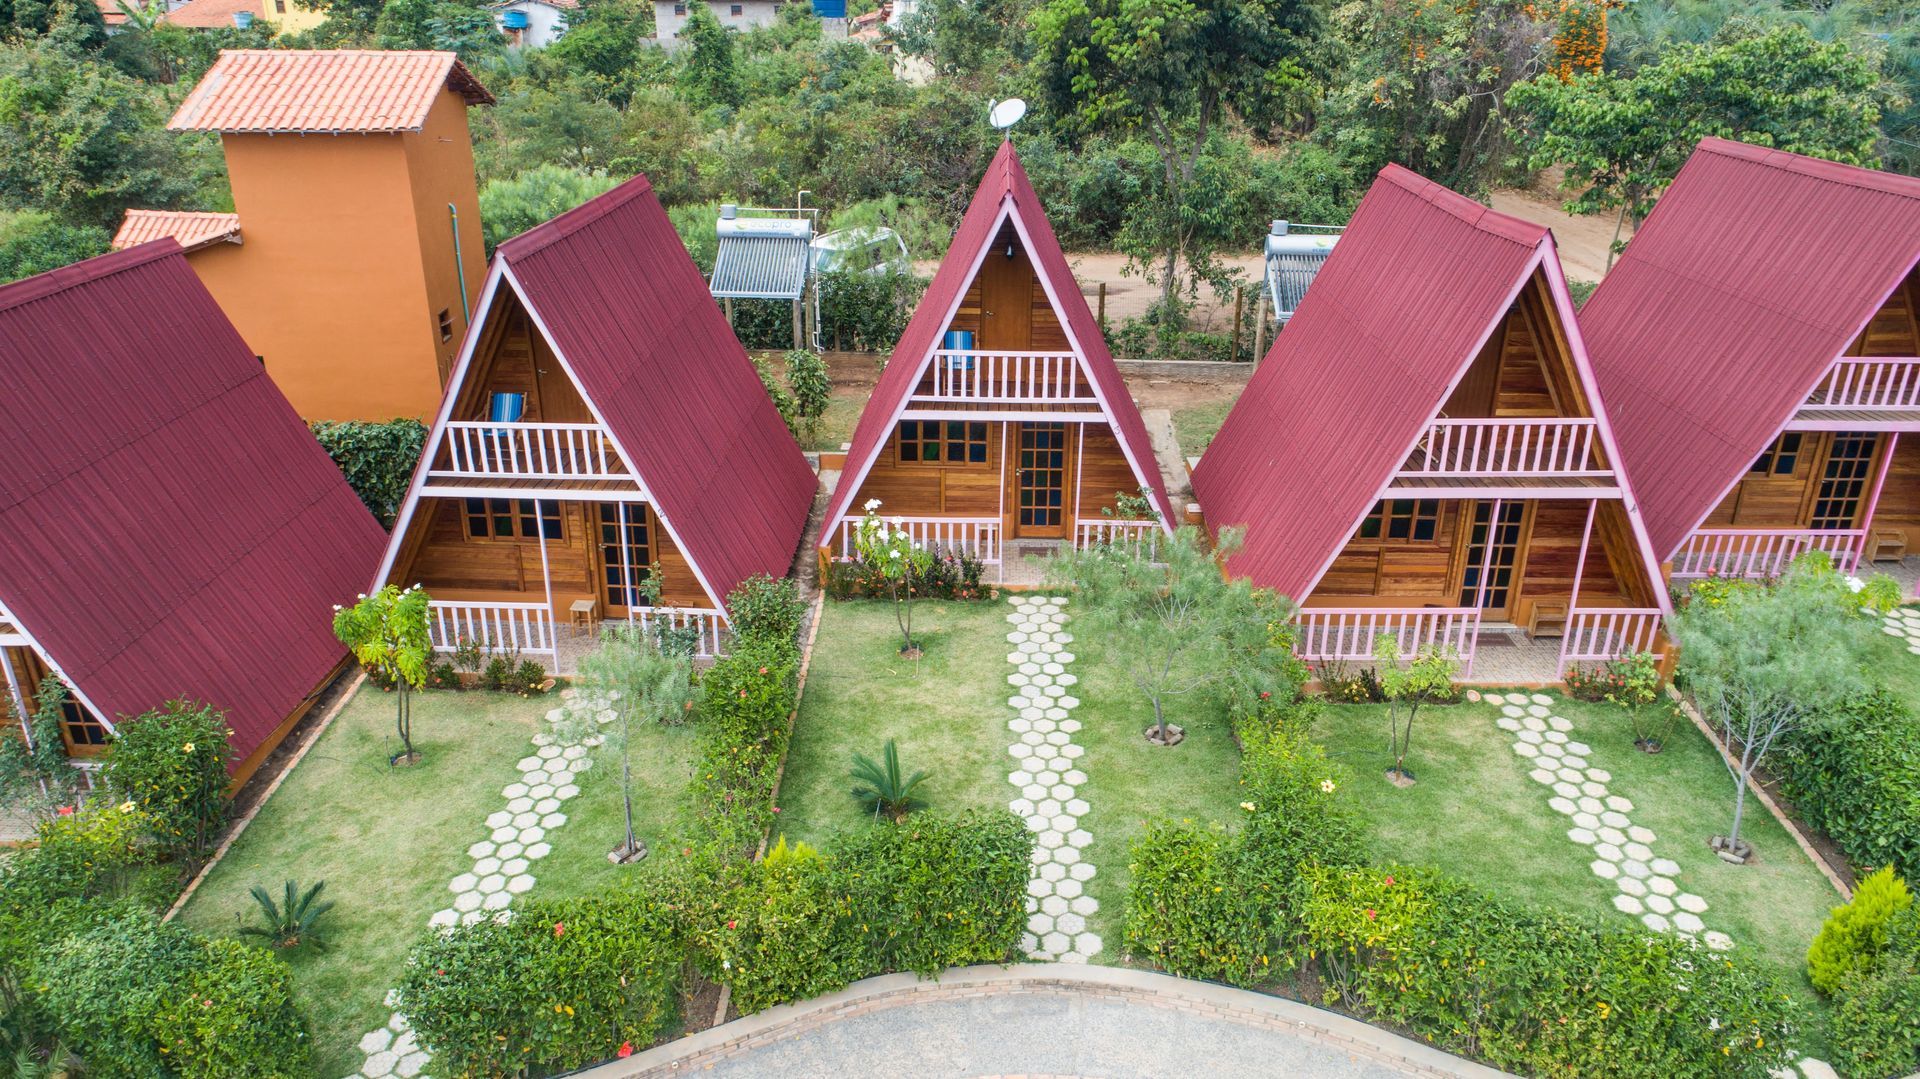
[(1004, 114)]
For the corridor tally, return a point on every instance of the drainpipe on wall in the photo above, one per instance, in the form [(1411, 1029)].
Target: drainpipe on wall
[(459, 269)]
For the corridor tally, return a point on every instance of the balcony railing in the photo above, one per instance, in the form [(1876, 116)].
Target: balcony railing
[(1763, 552), (536, 451), (709, 628), (976, 536), (1482, 448), (495, 627), (1103, 531), (981, 377), (1869, 382), (1598, 634), (1348, 633)]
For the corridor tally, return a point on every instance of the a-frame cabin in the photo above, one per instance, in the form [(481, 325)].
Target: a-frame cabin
[(1759, 342), (1423, 453), (603, 430), (1000, 426), (173, 530)]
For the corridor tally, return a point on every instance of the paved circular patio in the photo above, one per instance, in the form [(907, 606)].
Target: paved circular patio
[(1053, 1020)]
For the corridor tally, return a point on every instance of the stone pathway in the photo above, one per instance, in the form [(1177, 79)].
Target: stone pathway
[(1047, 779), (1904, 623), (1623, 851), (502, 863)]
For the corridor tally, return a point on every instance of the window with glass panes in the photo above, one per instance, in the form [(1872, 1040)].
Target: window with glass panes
[(628, 564), (513, 518), (955, 442), (1403, 519), (1780, 458)]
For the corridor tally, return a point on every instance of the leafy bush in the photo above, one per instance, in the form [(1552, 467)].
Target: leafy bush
[(509, 207), (560, 985), (765, 608), (32, 242), (1879, 594), (137, 997), (1855, 934), (783, 402), (746, 699), (812, 390), (499, 674), (376, 458), (1856, 777), (866, 311), (782, 934), (528, 677), (1536, 992), (949, 575), (1875, 1032), (943, 891), (1630, 681), (172, 763)]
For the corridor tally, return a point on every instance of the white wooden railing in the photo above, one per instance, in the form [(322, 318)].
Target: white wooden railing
[(1869, 382), (1102, 531), (1348, 633), (977, 536), (544, 451), (495, 627), (1763, 552), (1505, 447), (1005, 378), (1598, 634), (712, 625)]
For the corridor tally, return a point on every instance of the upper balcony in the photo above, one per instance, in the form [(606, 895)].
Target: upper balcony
[(490, 457), (978, 381), (1864, 393), (1507, 457)]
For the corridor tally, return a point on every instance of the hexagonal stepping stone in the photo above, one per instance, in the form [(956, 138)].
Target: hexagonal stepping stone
[(1082, 871), (1070, 856), (466, 902), (1526, 749), (1619, 804), (1067, 888), (566, 791), (1593, 790), (412, 1064), (520, 884), (1604, 869), (1666, 867), (1627, 904), (1534, 725), (1640, 835), (480, 849), (1639, 852), (1580, 748), (1580, 836), (1607, 851), (1542, 777), (1663, 885), (444, 919), (1494, 698), (1633, 867), (1548, 749), (1586, 820), (539, 850), (1541, 698), (1039, 924), (1556, 738), (1559, 724), (1611, 835), (1717, 940), (1616, 820), (1599, 775), (1632, 887), (374, 1041), (1691, 903), (511, 850)]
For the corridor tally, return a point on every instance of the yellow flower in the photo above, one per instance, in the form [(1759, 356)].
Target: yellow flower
[(127, 807), (1326, 786), (188, 748), (1248, 806)]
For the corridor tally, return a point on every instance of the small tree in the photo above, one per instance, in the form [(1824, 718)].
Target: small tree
[(36, 779), (886, 786), (1427, 676), (889, 550), (812, 390), (387, 633), (172, 763), (1165, 623), (1765, 662), (645, 685)]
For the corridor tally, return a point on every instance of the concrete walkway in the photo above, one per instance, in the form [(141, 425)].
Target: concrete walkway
[(1053, 1020)]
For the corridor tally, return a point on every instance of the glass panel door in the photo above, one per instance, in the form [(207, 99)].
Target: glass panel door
[(1041, 488), (626, 565), (1844, 480), (1499, 566)]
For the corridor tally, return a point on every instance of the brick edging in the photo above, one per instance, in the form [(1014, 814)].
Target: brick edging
[(1113, 983), (1806, 845)]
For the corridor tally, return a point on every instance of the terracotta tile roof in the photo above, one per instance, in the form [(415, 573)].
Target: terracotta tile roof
[(110, 13), (193, 230), (213, 14), (1756, 269), (320, 91)]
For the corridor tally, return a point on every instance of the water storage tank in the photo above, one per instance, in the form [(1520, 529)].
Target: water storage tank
[(514, 20), (830, 9)]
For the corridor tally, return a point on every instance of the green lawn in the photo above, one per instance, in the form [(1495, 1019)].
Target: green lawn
[(388, 841), (1475, 813), (1196, 425), (949, 714), (1893, 664)]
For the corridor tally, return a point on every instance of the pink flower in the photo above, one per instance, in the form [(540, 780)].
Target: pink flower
[(66, 811), (626, 1050), (559, 929), (1370, 914)]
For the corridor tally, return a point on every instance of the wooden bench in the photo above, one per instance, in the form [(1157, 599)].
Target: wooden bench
[(1886, 545), (1548, 618)]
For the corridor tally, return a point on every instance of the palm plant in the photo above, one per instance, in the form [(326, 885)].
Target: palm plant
[(881, 785), (290, 922)]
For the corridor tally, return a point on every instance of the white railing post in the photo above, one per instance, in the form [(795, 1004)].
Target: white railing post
[(555, 451)]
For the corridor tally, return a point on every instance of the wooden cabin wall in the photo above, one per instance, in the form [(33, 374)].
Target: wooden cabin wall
[(1894, 330), (1397, 572), (522, 362), (933, 489), (1900, 497), (450, 566), (1103, 472), (1514, 375), (999, 276)]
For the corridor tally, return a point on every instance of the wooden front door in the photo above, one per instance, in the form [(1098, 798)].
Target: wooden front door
[(1843, 480), (625, 564), (1499, 566), (1041, 483), (1006, 296)]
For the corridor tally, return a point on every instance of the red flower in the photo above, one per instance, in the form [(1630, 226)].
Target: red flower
[(626, 1050), (66, 811), (1264, 694), (1389, 881), (730, 924), (776, 809), (559, 929), (1370, 914), (763, 670), (743, 694)]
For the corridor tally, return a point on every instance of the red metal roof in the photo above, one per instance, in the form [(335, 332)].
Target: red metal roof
[(1418, 281), (193, 229), (628, 312), (323, 91), (173, 528), (1756, 269), (1005, 182)]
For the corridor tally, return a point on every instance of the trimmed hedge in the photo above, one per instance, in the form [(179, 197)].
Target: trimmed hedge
[(376, 458), (1875, 1033), (1528, 991), (745, 701), (1856, 777)]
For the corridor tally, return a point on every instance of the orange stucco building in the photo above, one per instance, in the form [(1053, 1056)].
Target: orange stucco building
[(355, 250)]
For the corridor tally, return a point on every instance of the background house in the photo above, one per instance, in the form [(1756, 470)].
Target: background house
[(533, 24), (358, 247)]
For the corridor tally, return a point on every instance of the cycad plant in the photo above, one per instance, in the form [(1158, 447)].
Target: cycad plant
[(882, 785), (290, 922)]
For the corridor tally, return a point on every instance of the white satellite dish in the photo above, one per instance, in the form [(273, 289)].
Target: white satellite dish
[(1005, 114)]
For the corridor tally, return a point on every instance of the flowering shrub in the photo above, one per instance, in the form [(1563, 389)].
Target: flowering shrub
[(172, 764), (1876, 1013), (1344, 683), (560, 985), (1630, 681), (765, 608), (948, 575), (746, 699), (1536, 992)]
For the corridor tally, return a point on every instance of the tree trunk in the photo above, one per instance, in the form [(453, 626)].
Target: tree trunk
[(1160, 718), (1739, 808), (1618, 224), (626, 788)]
